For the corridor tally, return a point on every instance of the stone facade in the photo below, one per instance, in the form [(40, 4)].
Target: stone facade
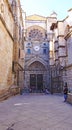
[(38, 46), (6, 46), (11, 44), (62, 66)]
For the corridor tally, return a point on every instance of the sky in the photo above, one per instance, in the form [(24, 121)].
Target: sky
[(46, 7)]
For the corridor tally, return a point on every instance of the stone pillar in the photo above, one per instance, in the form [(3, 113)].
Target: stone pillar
[(56, 51), (51, 52), (61, 44), (56, 44), (24, 21)]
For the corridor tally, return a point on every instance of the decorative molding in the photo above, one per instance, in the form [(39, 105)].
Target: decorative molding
[(62, 56), (56, 41), (60, 36), (61, 46), (56, 59), (56, 50)]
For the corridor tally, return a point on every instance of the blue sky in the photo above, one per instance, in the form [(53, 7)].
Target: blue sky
[(45, 7)]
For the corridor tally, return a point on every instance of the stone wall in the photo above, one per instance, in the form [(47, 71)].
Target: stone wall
[(6, 48), (67, 76), (6, 54), (11, 45), (69, 98)]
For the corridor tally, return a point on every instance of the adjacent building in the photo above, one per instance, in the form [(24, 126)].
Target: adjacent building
[(61, 71), (11, 45)]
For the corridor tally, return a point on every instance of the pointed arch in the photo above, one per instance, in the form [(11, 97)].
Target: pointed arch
[(37, 65), (36, 60)]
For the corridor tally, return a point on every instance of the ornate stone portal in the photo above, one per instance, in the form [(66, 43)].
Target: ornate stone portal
[(36, 76)]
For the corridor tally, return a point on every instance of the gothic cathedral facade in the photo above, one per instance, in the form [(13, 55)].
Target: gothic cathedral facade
[(38, 47)]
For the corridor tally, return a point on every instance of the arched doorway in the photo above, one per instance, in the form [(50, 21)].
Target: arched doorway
[(37, 74)]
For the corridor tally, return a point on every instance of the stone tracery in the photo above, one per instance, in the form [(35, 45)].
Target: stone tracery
[(35, 34)]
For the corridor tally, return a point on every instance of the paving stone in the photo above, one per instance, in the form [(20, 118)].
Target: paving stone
[(35, 112)]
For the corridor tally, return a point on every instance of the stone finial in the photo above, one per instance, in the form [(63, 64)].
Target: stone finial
[(53, 14)]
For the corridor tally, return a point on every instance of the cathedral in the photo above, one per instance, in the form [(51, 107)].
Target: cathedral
[(38, 47)]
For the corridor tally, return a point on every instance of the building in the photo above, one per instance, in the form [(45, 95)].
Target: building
[(61, 71), (39, 50), (11, 46)]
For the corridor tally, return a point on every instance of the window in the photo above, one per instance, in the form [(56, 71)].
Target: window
[(44, 44), (20, 33), (35, 34), (28, 43), (44, 51), (28, 51), (19, 52)]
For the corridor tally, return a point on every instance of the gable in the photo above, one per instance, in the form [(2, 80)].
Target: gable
[(35, 17)]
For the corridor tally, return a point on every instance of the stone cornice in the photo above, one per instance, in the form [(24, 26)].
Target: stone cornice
[(56, 59), (68, 34), (62, 56), (61, 46), (56, 51), (60, 36), (56, 41), (3, 21), (51, 17), (59, 21)]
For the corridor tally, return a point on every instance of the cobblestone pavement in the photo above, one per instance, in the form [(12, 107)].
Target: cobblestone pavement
[(35, 112)]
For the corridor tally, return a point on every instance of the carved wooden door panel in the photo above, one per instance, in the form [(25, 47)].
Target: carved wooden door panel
[(33, 81), (39, 81), (36, 82)]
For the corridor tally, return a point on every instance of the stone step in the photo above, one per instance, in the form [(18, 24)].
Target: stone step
[(4, 96), (13, 90)]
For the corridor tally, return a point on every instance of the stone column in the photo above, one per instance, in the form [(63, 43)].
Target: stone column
[(51, 52), (56, 51), (61, 44)]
